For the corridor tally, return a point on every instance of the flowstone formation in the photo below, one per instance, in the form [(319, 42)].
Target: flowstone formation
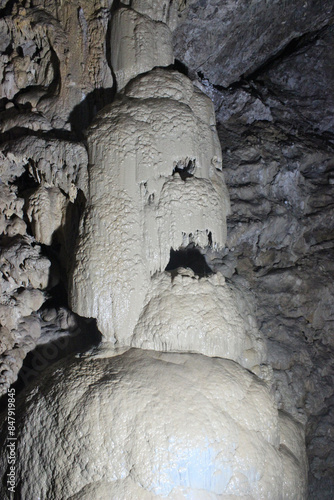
[(176, 401), (155, 183), (147, 424)]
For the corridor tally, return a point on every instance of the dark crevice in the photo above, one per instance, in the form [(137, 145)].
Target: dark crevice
[(55, 85), (83, 114), (20, 132), (191, 258), (109, 48), (180, 67), (117, 4), (185, 168), (210, 238), (25, 181), (295, 45), (56, 297), (9, 50), (7, 10), (3, 102)]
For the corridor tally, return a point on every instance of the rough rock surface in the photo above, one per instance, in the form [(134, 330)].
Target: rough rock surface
[(174, 319), (225, 41), (151, 155), (281, 245), (139, 44), (275, 126), (125, 407), (53, 57), (24, 275), (41, 178), (275, 123), (58, 162)]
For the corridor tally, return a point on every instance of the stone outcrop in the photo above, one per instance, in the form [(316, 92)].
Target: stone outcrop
[(139, 207), (226, 42)]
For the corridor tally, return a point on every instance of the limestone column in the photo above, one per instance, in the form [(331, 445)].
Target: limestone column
[(171, 405)]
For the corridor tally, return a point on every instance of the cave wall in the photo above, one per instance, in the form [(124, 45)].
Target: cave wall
[(269, 71), (272, 85)]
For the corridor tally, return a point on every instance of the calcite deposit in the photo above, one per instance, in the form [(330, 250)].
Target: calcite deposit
[(57, 170), (53, 56), (140, 44), (187, 313), (139, 205), (183, 208), (156, 425)]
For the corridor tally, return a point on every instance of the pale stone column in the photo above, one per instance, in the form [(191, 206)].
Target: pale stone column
[(180, 416), (156, 184)]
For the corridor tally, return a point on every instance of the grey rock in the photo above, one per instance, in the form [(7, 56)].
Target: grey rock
[(226, 41)]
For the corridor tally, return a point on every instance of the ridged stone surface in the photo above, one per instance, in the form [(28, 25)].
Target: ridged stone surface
[(138, 206)]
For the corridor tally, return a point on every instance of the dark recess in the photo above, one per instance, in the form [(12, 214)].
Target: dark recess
[(185, 171), (83, 113), (86, 337), (189, 257), (180, 67)]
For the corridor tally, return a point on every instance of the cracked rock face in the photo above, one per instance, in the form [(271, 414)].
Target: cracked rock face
[(227, 41)]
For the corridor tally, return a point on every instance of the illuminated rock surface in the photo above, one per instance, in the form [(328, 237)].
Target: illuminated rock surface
[(268, 69), (139, 44), (186, 314), (156, 425), (139, 205)]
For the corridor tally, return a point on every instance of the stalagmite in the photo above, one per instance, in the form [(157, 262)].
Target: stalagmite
[(187, 313), (175, 403), (139, 205), (156, 425)]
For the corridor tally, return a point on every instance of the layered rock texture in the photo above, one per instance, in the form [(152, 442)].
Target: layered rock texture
[(216, 338)]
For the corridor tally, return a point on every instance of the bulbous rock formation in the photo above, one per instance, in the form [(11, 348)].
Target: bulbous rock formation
[(174, 319), (146, 424)]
